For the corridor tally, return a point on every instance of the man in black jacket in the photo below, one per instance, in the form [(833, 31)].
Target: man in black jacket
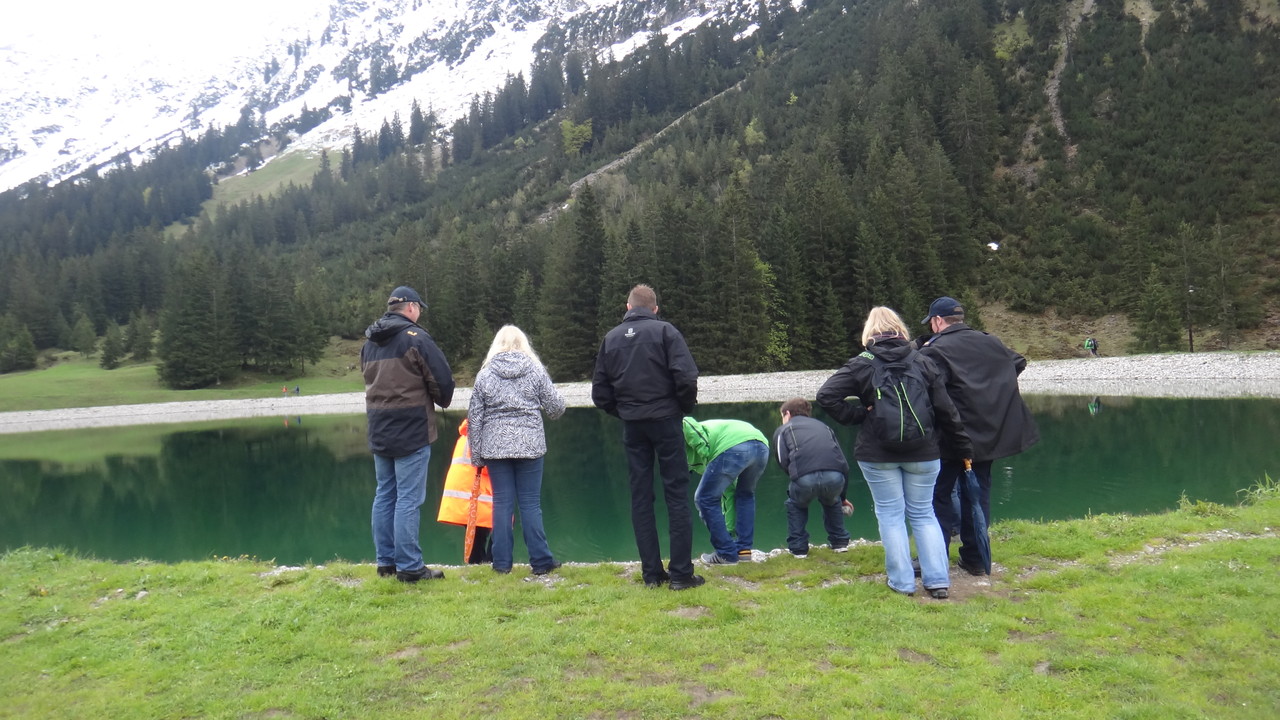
[(405, 376), (809, 452), (981, 376), (646, 376)]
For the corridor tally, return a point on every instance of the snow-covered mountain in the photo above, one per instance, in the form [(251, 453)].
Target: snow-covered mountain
[(65, 110)]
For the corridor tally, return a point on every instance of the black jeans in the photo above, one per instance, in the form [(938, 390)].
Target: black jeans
[(825, 487), (643, 439), (951, 474)]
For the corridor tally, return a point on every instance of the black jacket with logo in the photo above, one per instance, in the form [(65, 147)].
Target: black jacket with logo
[(981, 376), (405, 377), (644, 370)]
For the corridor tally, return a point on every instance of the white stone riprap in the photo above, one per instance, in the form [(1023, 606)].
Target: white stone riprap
[(1218, 374)]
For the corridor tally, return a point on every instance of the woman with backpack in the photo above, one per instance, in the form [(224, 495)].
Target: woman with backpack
[(902, 406)]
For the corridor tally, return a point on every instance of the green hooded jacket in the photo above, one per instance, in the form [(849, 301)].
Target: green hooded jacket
[(705, 440)]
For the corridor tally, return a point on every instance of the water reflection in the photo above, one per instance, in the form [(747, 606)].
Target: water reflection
[(298, 490)]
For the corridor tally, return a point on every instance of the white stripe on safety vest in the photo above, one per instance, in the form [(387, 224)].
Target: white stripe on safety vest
[(462, 460), (467, 496)]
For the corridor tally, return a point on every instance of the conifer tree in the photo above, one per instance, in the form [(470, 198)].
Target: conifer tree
[(19, 353), (195, 347), (113, 349), (1156, 328), (83, 339)]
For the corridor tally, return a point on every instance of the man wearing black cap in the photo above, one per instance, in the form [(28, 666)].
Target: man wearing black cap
[(981, 375), (405, 376)]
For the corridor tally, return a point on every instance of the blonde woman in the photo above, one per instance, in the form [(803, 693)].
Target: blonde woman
[(512, 391), (899, 465)]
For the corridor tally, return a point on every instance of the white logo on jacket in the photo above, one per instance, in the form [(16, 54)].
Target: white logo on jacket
[(630, 333)]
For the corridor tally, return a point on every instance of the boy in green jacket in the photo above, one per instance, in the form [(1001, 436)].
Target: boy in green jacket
[(727, 453)]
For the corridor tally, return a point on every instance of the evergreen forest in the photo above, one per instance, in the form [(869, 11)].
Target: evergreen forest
[(772, 185)]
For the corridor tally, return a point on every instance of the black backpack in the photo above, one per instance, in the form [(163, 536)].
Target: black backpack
[(901, 417)]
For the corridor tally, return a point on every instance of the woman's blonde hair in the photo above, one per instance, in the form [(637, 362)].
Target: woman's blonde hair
[(883, 321), (511, 339)]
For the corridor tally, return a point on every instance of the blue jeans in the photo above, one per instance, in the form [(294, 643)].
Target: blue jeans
[(744, 462), (518, 481), (402, 487), (824, 486), (903, 492)]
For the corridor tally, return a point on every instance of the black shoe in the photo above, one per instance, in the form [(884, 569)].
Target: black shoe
[(655, 583), (692, 581), (938, 593), (502, 571), (975, 570), (386, 570), (546, 570), (423, 573)]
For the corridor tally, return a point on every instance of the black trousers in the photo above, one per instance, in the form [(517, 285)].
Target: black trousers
[(952, 472), (664, 439)]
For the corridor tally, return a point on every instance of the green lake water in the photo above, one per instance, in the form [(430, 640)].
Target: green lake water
[(297, 490)]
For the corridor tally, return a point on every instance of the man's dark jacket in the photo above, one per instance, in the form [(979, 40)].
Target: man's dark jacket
[(405, 376), (644, 370), (805, 445), (981, 376)]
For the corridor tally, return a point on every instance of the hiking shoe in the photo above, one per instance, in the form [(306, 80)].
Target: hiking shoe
[(422, 573), (937, 593), (386, 570), (692, 581), (546, 570), (716, 559), (975, 570)]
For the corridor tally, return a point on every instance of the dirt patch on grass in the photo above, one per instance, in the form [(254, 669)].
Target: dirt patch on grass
[(691, 613)]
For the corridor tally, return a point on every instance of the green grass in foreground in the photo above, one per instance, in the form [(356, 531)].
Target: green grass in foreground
[(1163, 616)]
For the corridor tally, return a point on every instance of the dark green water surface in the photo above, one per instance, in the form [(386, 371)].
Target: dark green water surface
[(298, 490)]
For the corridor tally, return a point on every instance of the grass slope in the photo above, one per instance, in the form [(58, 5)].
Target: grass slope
[(1113, 616)]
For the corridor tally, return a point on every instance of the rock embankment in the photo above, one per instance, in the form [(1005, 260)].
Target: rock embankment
[(1220, 374)]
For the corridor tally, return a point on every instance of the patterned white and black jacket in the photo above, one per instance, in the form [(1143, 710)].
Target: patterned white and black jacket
[(505, 416)]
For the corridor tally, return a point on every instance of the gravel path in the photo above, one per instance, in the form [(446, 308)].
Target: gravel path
[(1222, 374)]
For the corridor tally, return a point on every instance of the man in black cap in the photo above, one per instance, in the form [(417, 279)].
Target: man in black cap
[(981, 375), (405, 376)]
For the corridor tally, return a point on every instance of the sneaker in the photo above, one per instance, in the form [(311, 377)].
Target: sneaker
[(546, 570), (386, 570), (937, 593), (716, 559), (839, 548), (422, 573), (975, 570), (502, 571), (798, 556), (692, 581)]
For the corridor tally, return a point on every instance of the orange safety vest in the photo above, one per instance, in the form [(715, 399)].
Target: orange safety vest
[(458, 484)]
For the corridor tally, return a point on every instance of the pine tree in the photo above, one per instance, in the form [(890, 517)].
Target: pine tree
[(113, 348), (19, 353), (83, 339), (1157, 322), (195, 347)]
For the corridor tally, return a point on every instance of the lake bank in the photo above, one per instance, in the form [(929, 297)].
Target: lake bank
[(1218, 374)]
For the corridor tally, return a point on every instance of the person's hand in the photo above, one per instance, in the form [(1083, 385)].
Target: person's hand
[(968, 464), (847, 508)]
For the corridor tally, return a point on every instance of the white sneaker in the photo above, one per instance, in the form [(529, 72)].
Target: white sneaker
[(799, 556), (842, 548)]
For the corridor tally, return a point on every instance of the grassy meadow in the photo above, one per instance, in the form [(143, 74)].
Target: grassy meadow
[(1112, 616)]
